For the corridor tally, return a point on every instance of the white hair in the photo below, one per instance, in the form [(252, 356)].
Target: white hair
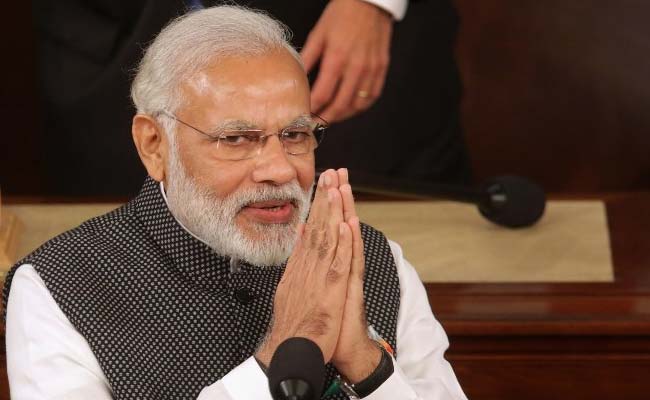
[(195, 40)]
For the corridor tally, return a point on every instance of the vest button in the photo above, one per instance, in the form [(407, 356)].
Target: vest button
[(244, 295)]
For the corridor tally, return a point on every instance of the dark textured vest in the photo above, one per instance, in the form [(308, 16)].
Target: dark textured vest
[(162, 312)]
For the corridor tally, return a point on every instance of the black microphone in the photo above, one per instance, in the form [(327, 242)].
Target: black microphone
[(512, 201), (509, 201), (297, 370)]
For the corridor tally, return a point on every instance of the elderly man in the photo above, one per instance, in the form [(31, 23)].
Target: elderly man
[(187, 290)]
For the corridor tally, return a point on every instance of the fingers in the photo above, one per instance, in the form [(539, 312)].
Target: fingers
[(343, 176), (333, 220), (349, 210), (320, 200), (362, 82), (340, 269), (342, 104), (313, 48), (321, 231), (320, 234), (323, 211), (352, 41), (320, 206), (333, 205), (329, 75), (365, 95), (300, 231), (358, 260), (377, 86), (371, 86), (337, 283), (334, 178)]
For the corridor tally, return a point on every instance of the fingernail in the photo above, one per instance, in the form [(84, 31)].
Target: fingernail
[(327, 180)]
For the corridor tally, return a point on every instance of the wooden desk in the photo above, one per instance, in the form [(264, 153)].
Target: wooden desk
[(551, 341)]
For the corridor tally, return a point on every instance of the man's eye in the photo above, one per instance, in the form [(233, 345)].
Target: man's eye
[(295, 136), (236, 140)]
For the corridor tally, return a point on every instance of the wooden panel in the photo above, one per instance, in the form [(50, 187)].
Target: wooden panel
[(547, 341), (553, 377), (4, 381), (557, 90)]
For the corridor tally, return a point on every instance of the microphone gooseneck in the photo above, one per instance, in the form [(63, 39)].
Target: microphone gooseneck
[(509, 201), (297, 370)]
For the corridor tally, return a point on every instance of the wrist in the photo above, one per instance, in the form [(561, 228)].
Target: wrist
[(361, 363), (263, 357), (367, 386), (395, 10), (267, 348), (375, 5)]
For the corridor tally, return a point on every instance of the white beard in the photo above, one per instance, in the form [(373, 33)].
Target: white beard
[(212, 219)]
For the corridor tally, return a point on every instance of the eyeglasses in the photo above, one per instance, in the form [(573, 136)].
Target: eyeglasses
[(301, 137)]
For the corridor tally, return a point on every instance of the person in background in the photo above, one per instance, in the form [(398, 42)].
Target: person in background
[(377, 92)]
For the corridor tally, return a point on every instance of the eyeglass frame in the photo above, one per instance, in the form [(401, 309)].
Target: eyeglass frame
[(318, 133)]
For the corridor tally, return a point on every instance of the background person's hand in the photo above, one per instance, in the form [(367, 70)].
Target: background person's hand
[(352, 41), (310, 298)]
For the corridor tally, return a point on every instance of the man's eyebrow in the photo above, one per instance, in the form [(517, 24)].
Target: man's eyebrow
[(301, 120), (234, 125), (243, 125)]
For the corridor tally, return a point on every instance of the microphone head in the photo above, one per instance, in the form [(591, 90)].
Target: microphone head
[(297, 370), (512, 201)]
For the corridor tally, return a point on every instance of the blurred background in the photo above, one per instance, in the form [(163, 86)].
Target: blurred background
[(556, 91)]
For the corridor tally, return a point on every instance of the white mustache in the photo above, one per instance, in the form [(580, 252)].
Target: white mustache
[(291, 192)]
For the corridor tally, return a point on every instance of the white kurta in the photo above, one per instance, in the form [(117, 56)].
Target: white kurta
[(47, 358)]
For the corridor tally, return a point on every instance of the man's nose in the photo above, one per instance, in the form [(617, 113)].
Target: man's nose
[(272, 164)]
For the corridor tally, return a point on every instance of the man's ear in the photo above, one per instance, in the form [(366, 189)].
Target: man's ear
[(151, 143)]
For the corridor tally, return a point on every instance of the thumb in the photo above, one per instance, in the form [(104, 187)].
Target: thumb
[(313, 48)]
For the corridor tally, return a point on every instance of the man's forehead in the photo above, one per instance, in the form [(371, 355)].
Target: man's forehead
[(248, 73), (266, 91), (209, 81)]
